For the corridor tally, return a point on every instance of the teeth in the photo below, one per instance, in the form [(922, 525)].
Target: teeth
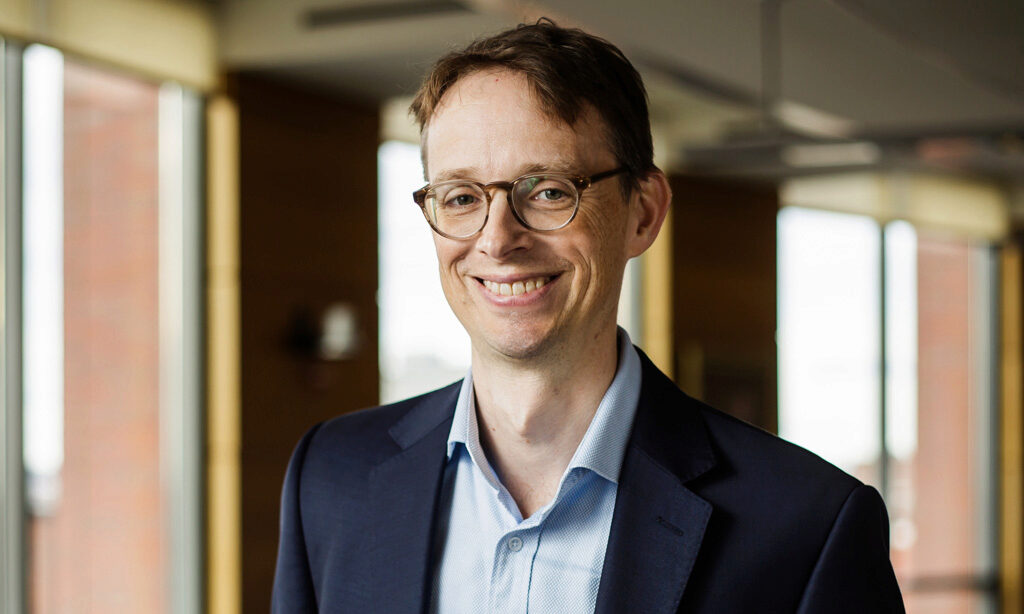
[(515, 288)]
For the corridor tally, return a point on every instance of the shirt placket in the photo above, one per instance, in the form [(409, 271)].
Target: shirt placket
[(510, 579)]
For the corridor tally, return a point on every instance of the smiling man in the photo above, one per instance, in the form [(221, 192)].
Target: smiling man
[(565, 473)]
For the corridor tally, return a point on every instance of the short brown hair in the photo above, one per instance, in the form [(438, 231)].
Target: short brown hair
[(567, 69)]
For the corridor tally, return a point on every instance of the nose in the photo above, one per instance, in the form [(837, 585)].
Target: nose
[(502, 235)]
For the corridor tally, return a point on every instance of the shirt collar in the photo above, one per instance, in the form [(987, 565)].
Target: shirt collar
[(603, 445)]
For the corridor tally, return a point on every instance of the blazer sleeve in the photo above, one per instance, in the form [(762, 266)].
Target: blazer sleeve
[(853, 573), (293, 583)]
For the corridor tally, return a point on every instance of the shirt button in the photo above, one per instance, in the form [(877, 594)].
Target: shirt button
[(515, 544)]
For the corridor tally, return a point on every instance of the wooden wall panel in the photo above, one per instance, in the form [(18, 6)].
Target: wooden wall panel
[(724, 295), (308, 239)]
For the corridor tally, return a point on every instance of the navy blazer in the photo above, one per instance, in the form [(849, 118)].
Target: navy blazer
[(712, 516)]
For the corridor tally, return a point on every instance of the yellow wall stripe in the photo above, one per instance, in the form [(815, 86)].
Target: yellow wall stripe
[(224, 360), (1011, 430), (657, 299)]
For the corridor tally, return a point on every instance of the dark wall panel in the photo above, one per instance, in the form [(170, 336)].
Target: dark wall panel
[(724, 295), (308, 233)]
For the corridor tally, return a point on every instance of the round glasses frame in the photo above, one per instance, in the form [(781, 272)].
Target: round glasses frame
[(580, 184)]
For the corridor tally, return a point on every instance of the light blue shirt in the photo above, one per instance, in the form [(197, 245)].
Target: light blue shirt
[(488, 558)]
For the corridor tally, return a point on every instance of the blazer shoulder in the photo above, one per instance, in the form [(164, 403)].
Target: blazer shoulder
[(366, 436), (697, 441), (800, 486), (743, 445)]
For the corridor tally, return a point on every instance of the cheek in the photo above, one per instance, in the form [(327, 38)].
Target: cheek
[(602, 239), (454, 291), (605, 216), (448, 257), (447, 251)]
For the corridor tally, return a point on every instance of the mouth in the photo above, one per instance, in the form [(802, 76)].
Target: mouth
[(515, 288)]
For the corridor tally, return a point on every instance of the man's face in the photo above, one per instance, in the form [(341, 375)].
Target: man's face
[(488, 128)]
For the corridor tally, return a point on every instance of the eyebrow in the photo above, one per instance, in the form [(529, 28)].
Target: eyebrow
[(470, 173), (456, 173)]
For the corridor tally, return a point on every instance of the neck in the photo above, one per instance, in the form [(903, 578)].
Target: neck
[(532, 414)]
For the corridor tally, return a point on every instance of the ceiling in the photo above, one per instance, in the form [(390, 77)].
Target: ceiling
[(942, 76)]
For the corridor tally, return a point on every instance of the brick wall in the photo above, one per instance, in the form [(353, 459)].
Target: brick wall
[(944, 469)]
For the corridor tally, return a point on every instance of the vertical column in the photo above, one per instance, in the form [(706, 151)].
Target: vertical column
[(180, 300), (656, 286), (12, 494), (1011, 442), (223, 351)]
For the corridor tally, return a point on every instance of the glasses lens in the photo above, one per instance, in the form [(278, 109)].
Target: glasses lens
[(545, 203), (456, 209)]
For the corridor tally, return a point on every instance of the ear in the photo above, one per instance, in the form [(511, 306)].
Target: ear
[(648, 207)]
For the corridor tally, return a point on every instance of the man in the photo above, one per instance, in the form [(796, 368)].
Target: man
[(565, 473)]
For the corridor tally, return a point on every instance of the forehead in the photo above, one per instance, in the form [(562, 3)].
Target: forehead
[(492, 122)]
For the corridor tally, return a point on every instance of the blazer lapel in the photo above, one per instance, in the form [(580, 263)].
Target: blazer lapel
[(404, 490), (658, 524)]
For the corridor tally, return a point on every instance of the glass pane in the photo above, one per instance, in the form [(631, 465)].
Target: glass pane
[(829, 337), (901, 340), (97, 524), (901, 384), (422, 345)]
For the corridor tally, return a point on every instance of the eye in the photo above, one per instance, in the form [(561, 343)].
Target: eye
[(547, 192), (551, 194), (461, 200), (459, 197)]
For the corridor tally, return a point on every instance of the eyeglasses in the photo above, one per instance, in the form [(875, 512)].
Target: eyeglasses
[(458, 209)]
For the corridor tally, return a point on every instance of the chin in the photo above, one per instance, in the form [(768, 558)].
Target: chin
[(520, 342), (519, 351)]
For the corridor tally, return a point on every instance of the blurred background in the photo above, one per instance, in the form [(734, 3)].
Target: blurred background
[(209, 245)]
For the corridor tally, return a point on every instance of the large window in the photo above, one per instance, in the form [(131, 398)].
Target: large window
[(886, 341), (104, 234), (422, 344)]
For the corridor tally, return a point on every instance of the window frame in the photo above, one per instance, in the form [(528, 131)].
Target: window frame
[(12, 493)]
